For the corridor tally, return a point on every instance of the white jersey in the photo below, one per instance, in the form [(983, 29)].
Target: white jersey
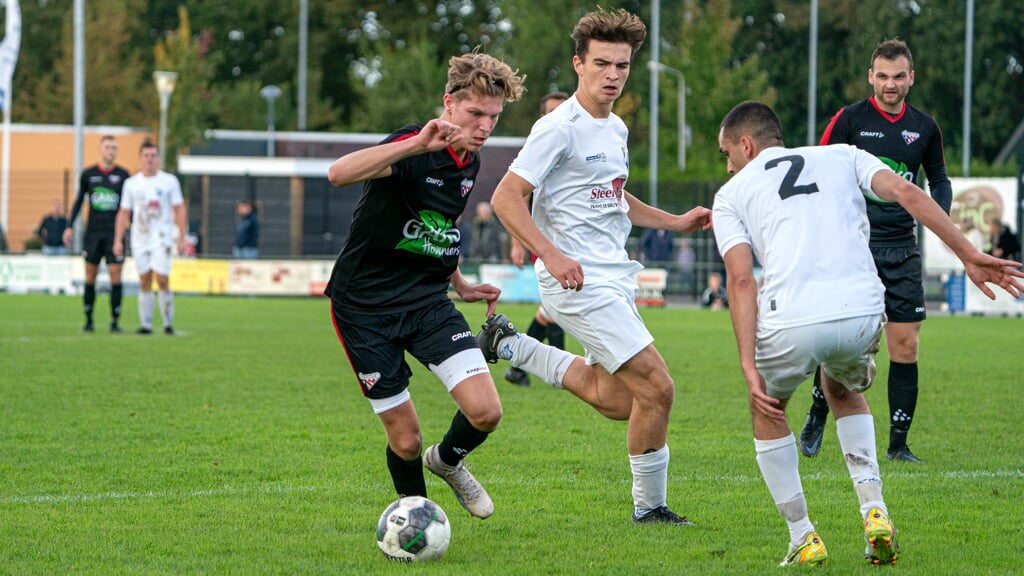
[(578, 166), (152, 201), (802, 211)]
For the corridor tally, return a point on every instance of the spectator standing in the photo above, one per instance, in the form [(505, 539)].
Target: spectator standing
[(1004, 241), (488, 243), (247, 232), (656, 246), (51, 231)]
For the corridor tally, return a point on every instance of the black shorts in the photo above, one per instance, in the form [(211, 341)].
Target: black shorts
[(376, 343), (100, 245), (900, 271)]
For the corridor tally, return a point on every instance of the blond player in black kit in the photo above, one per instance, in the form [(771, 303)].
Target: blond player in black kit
[(907, 140), (389, 287)]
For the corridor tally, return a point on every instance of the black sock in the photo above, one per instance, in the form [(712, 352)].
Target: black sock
[(537, 330), (902, 402), (819, 405), (556, 336), (460, 440), (115, 302), (407, 475), (89, 298)]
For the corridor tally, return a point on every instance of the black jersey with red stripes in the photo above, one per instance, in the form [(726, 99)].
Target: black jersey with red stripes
[(404, 243), (906, 142)]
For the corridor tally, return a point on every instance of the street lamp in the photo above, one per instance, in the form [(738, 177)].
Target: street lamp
[(681, 110), (270, 93), (164, 87)]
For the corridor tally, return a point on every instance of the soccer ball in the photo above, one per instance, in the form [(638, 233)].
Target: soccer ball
[(413, 529)]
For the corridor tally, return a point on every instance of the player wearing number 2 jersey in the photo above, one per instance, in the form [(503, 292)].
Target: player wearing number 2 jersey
[(802, 213)]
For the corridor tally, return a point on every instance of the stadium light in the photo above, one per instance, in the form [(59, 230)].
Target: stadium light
[(270, 93), (165, 82), (680, 111)]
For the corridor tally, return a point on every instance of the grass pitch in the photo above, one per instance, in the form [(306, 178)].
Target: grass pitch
[(243, 446)]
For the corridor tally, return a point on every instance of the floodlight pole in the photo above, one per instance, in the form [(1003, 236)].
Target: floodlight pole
[(165, 82), (270, 93)]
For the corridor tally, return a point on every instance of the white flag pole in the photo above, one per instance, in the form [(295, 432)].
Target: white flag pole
[(9, 49)]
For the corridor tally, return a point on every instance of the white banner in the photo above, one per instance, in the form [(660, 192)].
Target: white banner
[(976, 202)]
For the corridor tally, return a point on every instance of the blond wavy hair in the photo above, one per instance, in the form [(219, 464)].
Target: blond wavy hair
[(483, 75)]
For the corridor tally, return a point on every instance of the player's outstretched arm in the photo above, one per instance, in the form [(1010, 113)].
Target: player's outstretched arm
[(647, 216), (981, 268)]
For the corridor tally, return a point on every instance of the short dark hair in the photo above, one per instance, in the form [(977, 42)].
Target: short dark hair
[(615, 27), (556, 95), (754, 119), (147, 143), (891, 49)]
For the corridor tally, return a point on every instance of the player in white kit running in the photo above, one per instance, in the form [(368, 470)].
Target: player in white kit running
[(575, 161)]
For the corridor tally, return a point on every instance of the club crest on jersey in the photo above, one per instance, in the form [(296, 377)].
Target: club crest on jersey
[(370, 379), (910, 137), (466, 187)]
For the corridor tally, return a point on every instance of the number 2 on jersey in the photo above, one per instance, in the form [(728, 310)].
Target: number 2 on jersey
[(789, 186)]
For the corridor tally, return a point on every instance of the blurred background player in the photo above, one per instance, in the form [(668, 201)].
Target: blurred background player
[(100, 185), (389, 287), (542, 327), (906, 139), (153, 202)]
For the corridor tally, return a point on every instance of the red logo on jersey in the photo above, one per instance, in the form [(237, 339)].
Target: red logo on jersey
[(910, 137)]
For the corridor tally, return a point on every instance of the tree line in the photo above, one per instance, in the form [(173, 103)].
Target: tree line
[(374, 65)]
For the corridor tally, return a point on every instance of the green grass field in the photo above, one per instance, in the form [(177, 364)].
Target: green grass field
[(243, 446)]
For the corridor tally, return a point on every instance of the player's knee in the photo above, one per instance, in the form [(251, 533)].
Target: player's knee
[(407, 446), (487, 419), (659, 393)]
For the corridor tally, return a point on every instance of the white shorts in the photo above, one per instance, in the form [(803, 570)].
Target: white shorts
[(604, 319), (157, 260), (845, 348)]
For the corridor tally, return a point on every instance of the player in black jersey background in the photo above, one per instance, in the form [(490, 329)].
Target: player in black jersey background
[(908, 140), (389, 286), (101, 186)]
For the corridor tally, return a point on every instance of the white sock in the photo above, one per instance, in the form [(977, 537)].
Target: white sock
[(780, 467), (650, 479), (166, 299), (857, 439), (146, 309), (527, 353)]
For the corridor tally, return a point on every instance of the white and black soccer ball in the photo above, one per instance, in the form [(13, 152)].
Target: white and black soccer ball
[(413, 529)]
